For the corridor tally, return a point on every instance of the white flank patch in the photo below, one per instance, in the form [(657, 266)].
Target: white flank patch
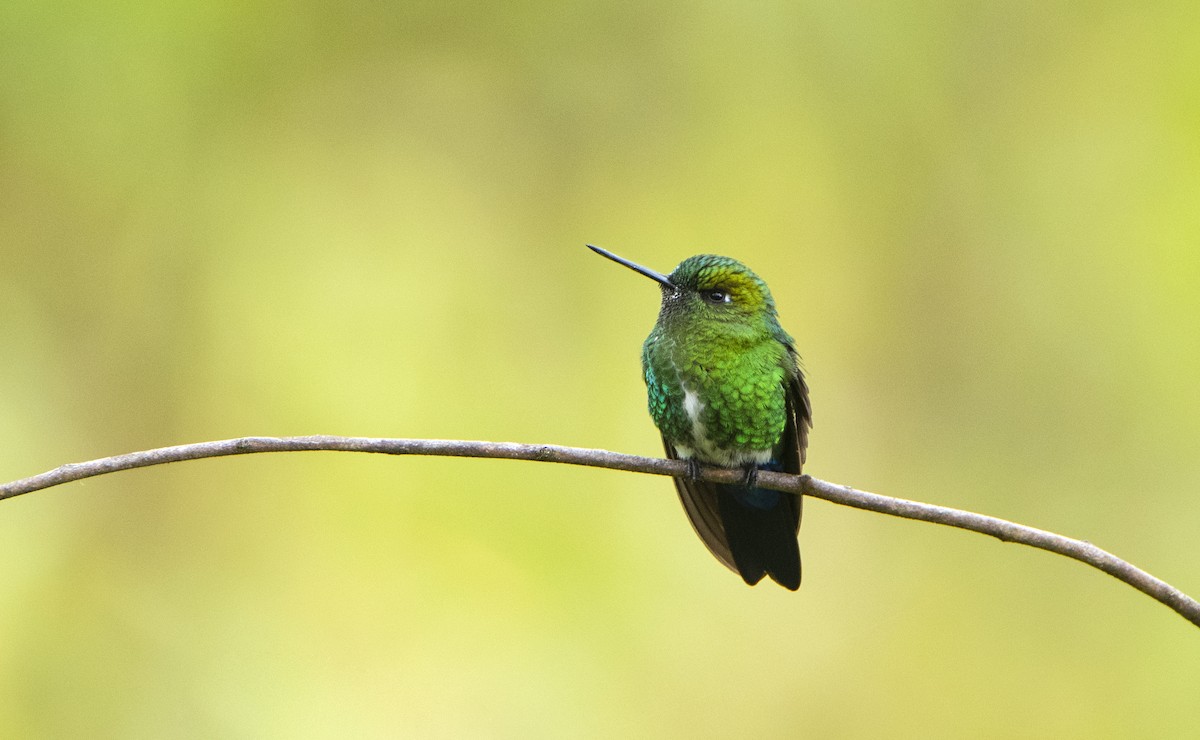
[(692, 406)]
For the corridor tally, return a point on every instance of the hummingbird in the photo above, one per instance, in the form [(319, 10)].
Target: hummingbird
[(725, 388)]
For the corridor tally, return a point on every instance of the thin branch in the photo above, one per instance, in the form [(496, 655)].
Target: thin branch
[(1004, 530)]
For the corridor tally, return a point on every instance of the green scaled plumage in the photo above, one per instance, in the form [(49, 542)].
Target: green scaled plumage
[(725, 388)]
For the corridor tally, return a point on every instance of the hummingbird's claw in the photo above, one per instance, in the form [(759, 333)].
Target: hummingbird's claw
[(693, 469), (751, 479)]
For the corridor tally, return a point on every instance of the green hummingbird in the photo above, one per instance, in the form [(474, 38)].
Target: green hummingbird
[(725, 388)]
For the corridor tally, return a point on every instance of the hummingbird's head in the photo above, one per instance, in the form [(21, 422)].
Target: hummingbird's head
[(710, 288), (719, 287)]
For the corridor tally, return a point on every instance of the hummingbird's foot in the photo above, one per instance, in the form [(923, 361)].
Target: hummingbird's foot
[(693, 469), (751, 479)]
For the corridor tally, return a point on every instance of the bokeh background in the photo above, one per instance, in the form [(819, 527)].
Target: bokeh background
[(980, 222)]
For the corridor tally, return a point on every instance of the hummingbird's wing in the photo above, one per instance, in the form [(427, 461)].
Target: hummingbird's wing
[(793, 447), (700, 502)]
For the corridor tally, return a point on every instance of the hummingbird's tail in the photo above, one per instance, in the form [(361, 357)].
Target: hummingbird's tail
[(760, 527)]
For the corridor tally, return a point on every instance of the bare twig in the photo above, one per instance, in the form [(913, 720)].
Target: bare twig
[(1004, 530)]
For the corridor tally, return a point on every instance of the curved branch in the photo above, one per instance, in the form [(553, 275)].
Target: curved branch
[(1004, 530)]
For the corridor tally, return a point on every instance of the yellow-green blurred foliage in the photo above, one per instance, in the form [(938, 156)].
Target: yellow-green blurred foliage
[(981, 221)]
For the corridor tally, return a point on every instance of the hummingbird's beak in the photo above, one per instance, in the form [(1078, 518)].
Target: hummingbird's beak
[(634, 266)]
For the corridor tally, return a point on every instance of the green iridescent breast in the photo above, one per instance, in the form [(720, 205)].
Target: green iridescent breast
[(722, 403)]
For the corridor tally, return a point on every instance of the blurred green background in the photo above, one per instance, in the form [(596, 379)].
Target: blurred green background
[(980, 222)]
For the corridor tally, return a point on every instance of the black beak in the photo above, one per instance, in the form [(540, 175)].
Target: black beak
[(634, 266)]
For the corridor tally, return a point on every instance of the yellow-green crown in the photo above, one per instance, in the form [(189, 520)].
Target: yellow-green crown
[(708, 272)]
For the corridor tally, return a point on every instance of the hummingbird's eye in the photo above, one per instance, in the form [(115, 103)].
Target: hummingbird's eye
[(716, 297)]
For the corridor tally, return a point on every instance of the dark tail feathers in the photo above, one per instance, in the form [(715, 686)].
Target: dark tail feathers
[(761, 531)]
